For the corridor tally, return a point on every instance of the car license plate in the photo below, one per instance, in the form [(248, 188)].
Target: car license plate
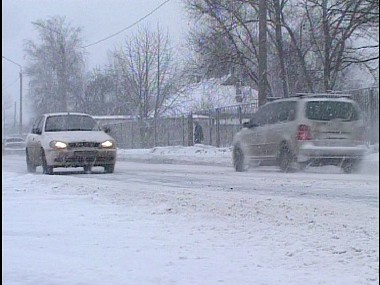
[(85, 153)]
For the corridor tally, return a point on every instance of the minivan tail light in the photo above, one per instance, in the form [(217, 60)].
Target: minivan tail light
[(303, 133)]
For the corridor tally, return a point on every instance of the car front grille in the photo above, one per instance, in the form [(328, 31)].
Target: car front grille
[(83, 144)]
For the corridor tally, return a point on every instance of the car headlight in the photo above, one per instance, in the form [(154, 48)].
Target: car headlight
[(107, 144), (58, 145)]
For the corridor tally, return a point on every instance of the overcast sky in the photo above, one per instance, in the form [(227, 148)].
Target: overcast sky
[(97, 18)]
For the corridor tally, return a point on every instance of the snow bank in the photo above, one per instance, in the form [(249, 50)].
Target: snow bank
[(210, 155)]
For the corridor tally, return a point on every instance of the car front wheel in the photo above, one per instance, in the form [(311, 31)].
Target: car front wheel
[(46, 169), (109, 168), (87, 168), (29, 164)]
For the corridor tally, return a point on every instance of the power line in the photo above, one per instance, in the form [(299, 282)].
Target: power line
[(130, 26), (10, 84)]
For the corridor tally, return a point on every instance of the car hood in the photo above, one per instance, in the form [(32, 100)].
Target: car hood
[(79, 136)]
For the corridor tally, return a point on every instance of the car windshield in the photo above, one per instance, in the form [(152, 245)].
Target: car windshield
[(70, 123), (330, 110)]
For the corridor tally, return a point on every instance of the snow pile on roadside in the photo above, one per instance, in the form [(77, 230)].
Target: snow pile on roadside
[(374, 148), (210, 155), (197, 154)]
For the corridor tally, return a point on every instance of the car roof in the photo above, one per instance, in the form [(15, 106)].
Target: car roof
[(314, 97), (66, 113)]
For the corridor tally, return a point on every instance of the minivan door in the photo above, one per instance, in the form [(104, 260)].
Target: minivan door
[(280, 127), (259, 142)]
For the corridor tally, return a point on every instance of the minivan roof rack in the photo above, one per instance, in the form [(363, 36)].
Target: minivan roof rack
[(325, 95)]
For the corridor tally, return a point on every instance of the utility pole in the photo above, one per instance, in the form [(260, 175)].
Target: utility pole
[(262, 52), (19, 65), (15, 116), (3, 133), (20, 123)]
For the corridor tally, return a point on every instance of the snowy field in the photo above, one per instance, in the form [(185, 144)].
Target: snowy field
[(183, 216)]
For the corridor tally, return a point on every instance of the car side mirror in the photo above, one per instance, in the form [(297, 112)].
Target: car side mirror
[(252, 123), (107, 130), (36, 131)]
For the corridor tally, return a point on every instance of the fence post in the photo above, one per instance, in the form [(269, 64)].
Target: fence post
[(211, 124), (217, 127), (155, 132), (240, 115), (183, 129), (371, 115), (124, 134), (132, 134), (190, 137), (168, 129)]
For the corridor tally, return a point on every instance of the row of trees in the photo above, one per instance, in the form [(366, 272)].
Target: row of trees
[(141, 79), (312, 45)]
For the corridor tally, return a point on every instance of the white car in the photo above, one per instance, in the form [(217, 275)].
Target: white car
[(300, 131), (69, 140), (13, 145)]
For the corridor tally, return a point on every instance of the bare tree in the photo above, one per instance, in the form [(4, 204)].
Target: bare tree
[(235, 23), (310, 43), (275, 14), (99, 95), (334, 27), (55, 66), (148, 76)]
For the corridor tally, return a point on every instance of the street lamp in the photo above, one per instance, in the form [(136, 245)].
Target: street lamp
[(19, 65)]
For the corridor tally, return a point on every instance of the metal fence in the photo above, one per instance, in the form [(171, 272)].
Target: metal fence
[(132, 133), (368, 100), (220, 125)]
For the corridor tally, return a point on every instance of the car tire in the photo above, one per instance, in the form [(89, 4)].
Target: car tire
[(46, 169), (29, 164), (302, 165), (350, 166), (109, 168), (87, 168), (238, 158), (285, 159)]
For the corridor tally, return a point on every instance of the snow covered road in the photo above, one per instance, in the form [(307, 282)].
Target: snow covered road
[(154, 223)]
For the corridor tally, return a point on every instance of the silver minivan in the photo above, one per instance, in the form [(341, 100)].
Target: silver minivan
[(303, 130)]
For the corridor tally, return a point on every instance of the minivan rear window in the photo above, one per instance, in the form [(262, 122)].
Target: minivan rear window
[(330, 110)]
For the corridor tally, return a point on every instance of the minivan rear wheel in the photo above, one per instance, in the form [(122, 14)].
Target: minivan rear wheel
[(239, 159), (350, 165)]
